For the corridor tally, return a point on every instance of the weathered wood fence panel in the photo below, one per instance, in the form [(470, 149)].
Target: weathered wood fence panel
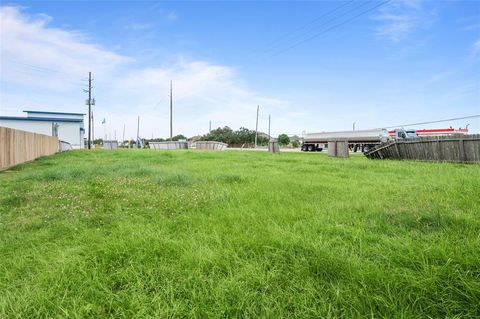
[(169, 145), (210, 145), (338, 148), (18, 146), (462, 149)]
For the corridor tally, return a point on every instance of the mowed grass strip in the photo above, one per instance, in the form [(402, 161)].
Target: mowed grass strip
[(143, 233)]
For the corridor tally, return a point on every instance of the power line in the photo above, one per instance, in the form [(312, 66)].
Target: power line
[(312, 22), (310, 30), (438, 121), (33, 72), (30, 69), (332, 27), (41, 68), (38, 68)]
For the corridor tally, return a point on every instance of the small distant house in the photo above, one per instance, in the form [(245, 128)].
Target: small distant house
[(296, 138), (68, 127), (194, 138), (265, 135)]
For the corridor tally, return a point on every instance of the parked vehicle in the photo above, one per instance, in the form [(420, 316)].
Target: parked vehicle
[(437, 132), (401, 134), (362, 139)]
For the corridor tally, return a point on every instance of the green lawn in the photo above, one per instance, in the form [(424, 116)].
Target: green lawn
[(142, 233)]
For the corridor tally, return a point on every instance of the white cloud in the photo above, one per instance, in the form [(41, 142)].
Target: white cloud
[(476, 48), (401, 17), (472, 27), (42, 67), (30, 49), (138, 26), (168, 15)]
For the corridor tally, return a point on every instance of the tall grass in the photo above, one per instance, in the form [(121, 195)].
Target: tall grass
[(238, 234)]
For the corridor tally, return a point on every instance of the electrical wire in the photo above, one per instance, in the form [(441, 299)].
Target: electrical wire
[(432, 122), (331, 28), (274, 43), (34, 70)]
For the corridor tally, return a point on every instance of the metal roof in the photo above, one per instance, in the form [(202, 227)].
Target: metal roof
[(41, 112), (44, 119)]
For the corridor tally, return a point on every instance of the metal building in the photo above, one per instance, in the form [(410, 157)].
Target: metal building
[(68, 127)]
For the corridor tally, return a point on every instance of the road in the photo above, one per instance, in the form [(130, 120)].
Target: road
[(287, 150)]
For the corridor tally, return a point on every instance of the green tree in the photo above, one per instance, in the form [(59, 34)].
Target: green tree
[(225, 135), (283, 139), (244, 135), (179, 137)]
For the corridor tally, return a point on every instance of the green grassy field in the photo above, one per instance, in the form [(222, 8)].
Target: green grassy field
[(135, 234)]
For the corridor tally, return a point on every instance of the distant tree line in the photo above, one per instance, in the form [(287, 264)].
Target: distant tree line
[(174, 138), (240, 136)]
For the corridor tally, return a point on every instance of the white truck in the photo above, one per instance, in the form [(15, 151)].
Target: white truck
[(363, 139)]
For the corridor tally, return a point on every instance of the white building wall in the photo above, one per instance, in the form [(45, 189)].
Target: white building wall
[(29, 126), (67, 131), (70, 132)]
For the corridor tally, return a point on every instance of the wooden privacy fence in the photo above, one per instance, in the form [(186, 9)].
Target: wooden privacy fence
[(338, 148), (462, 149), (18, 147)]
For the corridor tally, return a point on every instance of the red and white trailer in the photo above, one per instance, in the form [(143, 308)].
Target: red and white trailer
[(437, 131)]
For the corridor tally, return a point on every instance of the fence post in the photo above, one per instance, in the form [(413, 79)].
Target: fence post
[(397, 150), (463, 155), (439, 148)]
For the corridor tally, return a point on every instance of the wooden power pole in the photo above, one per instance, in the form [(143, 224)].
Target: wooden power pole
[(89, 109), (269, 136), (93, 129), (256, 127), (138, 128), (171, 111)]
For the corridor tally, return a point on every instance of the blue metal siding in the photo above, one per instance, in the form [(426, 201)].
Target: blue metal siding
[(40, 112), (44, 119)]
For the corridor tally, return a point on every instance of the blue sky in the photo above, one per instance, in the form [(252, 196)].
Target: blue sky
[(374, 63)]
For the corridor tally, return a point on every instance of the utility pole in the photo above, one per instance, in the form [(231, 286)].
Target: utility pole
[(93, 129), (104, 129), (171, 111), (89, 102), (256, 127), (123, 136), (138, 128), (115, 135), (269, 137), (354, 125), (210, 127)]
